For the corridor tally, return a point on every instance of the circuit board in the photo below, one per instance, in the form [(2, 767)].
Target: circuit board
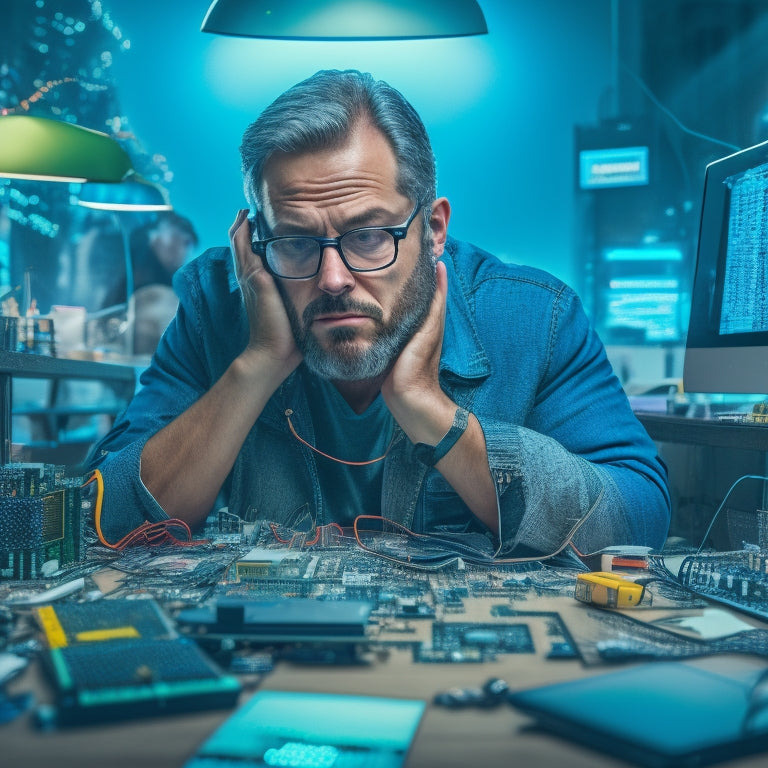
[(254, 594), (440, 613), (738, 579)]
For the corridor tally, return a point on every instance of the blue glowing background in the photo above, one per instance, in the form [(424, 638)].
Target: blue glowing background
[(500, 110)]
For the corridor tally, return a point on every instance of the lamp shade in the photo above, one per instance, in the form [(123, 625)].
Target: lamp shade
[(134, 193), (52, 150), (345, 19)]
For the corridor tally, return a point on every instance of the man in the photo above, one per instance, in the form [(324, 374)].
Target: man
[(345, 356)]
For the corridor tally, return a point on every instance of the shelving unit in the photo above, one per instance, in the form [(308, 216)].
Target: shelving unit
[(120, 378)]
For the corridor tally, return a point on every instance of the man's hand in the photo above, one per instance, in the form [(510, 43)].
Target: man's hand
[(185, 463), (412, 388), (414, 397), (270, 330)]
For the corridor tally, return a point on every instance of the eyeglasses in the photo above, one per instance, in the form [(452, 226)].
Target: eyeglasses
[(365, 249)]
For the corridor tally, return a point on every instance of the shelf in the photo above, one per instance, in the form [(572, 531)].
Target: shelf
[(24, 365), (111, 408), (19, 365)]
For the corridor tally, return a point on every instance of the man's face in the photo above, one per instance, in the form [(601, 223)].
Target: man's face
[(349, 325)]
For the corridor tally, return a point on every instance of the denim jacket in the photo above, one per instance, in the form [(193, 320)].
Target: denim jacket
[(564, 449)]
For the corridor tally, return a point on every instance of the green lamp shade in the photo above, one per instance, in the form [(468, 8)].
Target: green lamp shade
[(345, 19), (52, 150), (132, 194)]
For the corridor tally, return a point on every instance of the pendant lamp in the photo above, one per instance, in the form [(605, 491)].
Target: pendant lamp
[(345, 19)]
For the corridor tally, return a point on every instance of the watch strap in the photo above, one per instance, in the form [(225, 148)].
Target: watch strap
[(431, 454)]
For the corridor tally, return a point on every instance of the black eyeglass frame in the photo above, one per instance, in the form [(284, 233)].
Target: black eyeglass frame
[(398, 232)]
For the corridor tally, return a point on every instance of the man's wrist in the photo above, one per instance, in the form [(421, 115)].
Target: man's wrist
[(431, 454)]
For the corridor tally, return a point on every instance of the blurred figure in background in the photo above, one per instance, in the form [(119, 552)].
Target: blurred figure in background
[(158, 249), (95, 264)]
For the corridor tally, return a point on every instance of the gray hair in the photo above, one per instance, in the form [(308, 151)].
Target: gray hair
[(321, 112)]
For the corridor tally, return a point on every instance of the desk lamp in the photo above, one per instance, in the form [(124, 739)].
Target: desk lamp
[(40, 148), (133, 193), (345, 19)]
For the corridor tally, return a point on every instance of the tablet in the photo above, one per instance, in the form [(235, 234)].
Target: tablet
[(313, 730), (660, 714)]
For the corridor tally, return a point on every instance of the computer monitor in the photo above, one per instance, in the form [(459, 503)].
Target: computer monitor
[(727, 343)]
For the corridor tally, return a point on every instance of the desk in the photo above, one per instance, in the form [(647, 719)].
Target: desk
[(495, 738), (707, 432), (446, 738), (492, 738)]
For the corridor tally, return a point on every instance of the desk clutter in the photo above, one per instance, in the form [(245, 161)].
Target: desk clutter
[(27, 334), (148, 631), (123, 658), (40, 520)]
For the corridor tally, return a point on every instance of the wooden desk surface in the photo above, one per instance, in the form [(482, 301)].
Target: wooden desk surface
[(463, 738), (541, 598)]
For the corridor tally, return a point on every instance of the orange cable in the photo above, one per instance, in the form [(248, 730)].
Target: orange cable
[(151, 534), (288, 413)]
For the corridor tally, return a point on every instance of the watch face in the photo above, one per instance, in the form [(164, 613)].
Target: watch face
[(424, 453), (431, 454)]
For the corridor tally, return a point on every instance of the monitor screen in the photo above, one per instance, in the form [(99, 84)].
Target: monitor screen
[(727, 343)]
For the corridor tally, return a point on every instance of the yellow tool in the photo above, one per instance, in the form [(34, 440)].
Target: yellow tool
[(608, 589)]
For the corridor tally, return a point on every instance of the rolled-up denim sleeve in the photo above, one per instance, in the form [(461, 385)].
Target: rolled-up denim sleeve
[(581, 463), (126, 502), (547, 494)]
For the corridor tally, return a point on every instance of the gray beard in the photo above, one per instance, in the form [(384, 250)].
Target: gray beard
[(344, 361)]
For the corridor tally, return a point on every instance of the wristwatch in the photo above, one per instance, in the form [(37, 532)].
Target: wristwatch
[(431, 454)]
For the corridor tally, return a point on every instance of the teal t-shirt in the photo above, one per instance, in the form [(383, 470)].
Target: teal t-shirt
[(348, 491)]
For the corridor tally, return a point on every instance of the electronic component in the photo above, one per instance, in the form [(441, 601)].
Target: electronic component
[(474, 642), (738, 579), (281, 728), (40, 520), (117, 659), (39, 530), (618, 558), (607, 589), (72, 623), (282, 620), (659, 715), (493, 693)]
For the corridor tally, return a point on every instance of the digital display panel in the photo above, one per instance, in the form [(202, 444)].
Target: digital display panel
[(614, 167)]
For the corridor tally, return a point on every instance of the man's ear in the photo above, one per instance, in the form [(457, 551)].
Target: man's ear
[(438, 222)]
